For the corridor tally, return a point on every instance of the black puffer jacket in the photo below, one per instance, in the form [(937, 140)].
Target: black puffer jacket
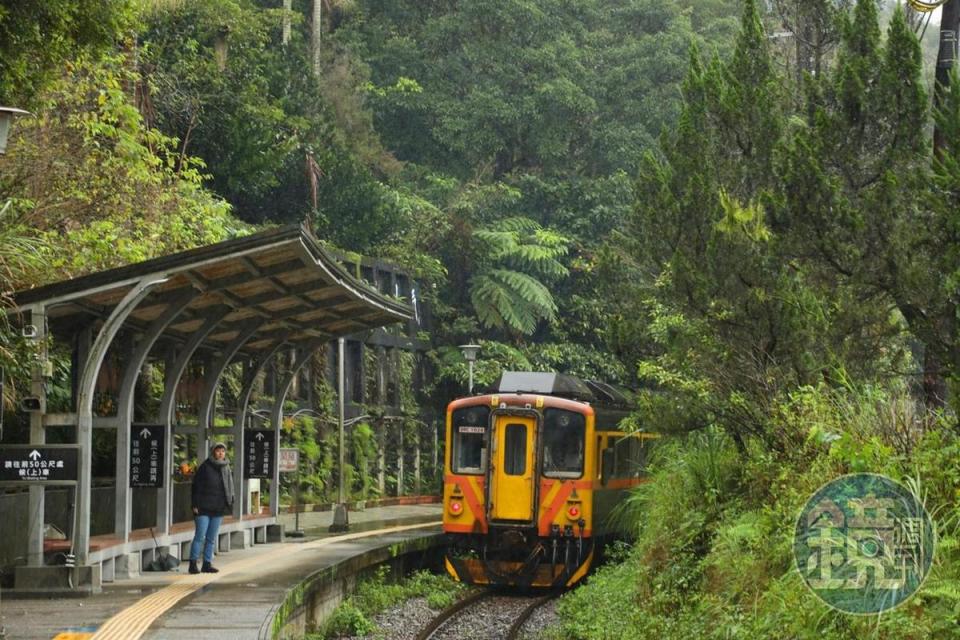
[(208, 495)]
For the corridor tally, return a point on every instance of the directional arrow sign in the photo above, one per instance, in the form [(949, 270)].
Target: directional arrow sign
[(46, 464), (148, 455), (259, 455)]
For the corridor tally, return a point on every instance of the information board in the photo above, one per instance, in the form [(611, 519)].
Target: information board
[(289, 460), (147, 455), (45, 463), (258, 453)]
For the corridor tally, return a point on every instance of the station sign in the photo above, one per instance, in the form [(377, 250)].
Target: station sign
[(48, 464), (289, 460), (258, 453), (147, 455)]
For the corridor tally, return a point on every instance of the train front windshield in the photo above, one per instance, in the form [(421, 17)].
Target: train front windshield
[(470, 439), (563, 441)]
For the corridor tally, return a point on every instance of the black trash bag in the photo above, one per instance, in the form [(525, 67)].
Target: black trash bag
[(164, 561)]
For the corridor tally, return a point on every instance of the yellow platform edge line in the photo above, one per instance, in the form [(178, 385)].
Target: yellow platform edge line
[(131, 623)]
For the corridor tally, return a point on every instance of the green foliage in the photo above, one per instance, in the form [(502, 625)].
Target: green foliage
[(515, 260), (348, 620), (512, 85), (280, 145), (98, 187), (713, 557), (37, 38), (378, 593)]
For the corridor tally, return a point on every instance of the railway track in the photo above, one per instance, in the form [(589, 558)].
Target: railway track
[(486, 615)]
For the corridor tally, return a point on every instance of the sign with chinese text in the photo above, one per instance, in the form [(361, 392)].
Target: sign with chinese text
[(864, 543), (45, 463), (147, 453), (289, 460), (258, 453)]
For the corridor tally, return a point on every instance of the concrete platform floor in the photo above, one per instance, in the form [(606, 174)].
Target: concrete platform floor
[(235, 604)]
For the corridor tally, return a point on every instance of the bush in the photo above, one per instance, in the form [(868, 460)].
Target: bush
[(714, 558)]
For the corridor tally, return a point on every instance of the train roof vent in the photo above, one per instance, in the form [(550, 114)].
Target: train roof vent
[(552, 384), (609, 394)]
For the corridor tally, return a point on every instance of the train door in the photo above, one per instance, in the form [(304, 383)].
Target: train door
[(512, 473)]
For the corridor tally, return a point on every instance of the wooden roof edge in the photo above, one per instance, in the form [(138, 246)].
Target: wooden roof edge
[(300, 234), (358, 288), (170, 264)]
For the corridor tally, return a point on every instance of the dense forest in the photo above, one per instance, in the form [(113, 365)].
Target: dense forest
[(734, 207)]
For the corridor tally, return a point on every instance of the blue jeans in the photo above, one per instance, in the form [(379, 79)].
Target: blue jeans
[(207, 529)]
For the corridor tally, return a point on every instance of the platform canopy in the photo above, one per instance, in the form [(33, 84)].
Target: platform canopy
[(281, 281), (246, 299)]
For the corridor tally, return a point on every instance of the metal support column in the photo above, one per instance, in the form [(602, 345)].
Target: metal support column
[(38, 320), (213, 317), (399, 459), (239, 422), (211, 381), (301, 358), (88, 380), (341, 520), (134, 365)]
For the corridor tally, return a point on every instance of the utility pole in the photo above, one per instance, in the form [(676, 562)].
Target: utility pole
[(934, 385)]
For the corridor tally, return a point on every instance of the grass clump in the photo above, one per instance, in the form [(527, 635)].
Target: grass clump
[(373, 595)]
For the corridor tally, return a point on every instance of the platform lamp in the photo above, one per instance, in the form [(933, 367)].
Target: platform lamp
[(6, 120), (470, 352)]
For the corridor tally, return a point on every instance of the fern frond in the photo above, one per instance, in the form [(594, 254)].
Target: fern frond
[(510, 299), (498, 243), (539, 259), (498, 306), (519, 224), (529, 289)]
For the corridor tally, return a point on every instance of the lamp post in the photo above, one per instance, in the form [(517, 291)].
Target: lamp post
[(6, 119), (470, 352)]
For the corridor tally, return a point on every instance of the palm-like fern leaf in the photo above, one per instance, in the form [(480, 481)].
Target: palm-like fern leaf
[(511, 300)]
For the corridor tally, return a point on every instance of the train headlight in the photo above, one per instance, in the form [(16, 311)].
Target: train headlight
[(573, 511), (455, 507)]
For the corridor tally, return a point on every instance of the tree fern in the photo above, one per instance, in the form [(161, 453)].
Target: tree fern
[(511, 300), (516, 259)]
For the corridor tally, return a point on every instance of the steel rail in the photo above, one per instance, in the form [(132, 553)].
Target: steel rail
[(427, 632), (517, 625)]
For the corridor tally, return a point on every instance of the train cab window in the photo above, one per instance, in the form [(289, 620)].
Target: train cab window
[(563, 441), (515, 452), (469, 437)]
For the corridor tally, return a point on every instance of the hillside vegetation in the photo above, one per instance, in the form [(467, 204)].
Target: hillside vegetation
[(733, 206)]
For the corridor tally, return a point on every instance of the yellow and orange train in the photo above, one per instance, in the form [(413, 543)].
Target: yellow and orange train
[(533, 471)]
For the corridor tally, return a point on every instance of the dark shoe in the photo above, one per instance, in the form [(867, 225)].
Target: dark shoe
[(193, 567), (208, 568)]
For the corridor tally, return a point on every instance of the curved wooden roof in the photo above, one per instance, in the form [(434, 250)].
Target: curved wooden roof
[(280, 284)]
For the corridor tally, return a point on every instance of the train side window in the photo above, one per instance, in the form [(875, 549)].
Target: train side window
[(515, 450), (629, 457), (564, 434), (469, 439)]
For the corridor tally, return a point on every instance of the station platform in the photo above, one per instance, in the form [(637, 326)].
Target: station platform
[(238, 603)]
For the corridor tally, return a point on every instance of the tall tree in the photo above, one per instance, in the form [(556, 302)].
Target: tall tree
[(37, 37)]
